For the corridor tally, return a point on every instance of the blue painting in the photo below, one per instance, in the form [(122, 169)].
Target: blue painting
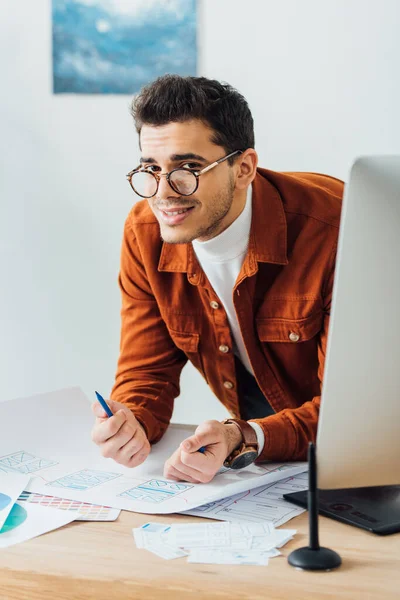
[(117, 46)]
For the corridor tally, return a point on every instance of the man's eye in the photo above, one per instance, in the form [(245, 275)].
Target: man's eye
[(191, 166), (151, 168)]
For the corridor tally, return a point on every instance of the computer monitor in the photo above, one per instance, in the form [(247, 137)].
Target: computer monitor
[(358, 438)]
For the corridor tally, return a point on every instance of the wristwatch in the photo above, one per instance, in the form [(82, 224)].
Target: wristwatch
[(247, 452)]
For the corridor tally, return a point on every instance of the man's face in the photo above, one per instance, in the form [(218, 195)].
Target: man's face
[(212, 208)]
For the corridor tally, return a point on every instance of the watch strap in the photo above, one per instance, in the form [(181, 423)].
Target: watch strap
[(249, 436)]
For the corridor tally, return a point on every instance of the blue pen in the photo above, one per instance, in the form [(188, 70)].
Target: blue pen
[(104, 404)]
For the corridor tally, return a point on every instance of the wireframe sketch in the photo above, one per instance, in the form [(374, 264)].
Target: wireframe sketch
[(155, 491), (24, 462), (83, 480), (265, 503)]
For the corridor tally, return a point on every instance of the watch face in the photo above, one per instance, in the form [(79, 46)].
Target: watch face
[(244, 460)]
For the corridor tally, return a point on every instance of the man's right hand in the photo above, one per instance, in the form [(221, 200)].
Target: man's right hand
[(121, 436)]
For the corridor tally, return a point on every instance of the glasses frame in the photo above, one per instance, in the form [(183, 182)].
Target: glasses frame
[(157, 176)]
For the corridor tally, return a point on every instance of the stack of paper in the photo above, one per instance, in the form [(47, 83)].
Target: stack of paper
[(218, 543)]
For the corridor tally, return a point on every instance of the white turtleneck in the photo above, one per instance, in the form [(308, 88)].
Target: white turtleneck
[(221, 258)]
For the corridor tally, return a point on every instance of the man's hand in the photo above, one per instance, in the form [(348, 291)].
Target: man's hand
[(188, 464), (121, 436)]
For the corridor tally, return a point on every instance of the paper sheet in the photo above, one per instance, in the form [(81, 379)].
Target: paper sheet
[(151, 537), (10, 488), (27, 521), (52, 443), (264, 503)]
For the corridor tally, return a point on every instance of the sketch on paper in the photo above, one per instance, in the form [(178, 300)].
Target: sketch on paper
[(155, 491), (83, 480), (23, 462), (116, 46), (265, 503)]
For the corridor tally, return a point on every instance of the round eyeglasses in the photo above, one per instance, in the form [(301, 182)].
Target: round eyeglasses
[(183, 181)]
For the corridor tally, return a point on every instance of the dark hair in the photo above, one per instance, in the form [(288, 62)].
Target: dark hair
[(172, 98)]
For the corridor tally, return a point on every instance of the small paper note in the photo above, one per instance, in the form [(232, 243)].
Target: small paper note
[(217, 543), (191, 535)]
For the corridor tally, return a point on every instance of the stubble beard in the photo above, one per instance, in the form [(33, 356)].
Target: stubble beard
[(220, 206)]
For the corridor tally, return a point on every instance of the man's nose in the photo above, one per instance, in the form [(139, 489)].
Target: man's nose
[(165, 191)]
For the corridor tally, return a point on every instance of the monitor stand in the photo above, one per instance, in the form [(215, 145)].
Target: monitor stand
[(313, 557)]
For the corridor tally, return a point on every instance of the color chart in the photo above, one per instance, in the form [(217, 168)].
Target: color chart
[(86, 511)]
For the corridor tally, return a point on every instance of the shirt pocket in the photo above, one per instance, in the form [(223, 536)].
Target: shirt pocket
[(294, 331), (189, 344)]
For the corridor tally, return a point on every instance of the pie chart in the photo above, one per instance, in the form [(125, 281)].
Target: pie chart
[(4, 501), (16, 517)]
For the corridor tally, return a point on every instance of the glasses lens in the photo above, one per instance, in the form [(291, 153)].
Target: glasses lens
[(183, 182), (144, 184)]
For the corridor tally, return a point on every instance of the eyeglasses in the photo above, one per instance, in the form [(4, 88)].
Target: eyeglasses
[(183, 181)]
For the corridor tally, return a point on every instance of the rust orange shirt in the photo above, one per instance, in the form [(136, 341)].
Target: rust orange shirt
[(282, 297)]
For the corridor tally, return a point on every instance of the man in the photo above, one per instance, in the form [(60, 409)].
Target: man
[(229, 266)]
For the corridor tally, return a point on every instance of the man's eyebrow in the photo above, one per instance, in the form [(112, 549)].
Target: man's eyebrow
[(187, 156), (176, 158)]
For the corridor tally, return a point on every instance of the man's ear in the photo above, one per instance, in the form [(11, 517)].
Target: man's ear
[(246, 168)]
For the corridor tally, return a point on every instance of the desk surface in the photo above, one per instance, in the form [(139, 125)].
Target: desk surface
[(100, 561)]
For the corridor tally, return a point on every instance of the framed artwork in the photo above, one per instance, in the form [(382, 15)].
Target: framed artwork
[(117, 46)]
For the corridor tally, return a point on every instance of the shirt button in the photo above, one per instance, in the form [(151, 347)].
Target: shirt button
[(228, 385), (223, 348), (294, 337), (214, 304)]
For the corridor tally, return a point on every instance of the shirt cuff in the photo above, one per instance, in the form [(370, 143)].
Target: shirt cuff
[(260, 436)]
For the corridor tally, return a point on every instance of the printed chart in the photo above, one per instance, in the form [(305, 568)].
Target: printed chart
[(83, 510), (16, 517)]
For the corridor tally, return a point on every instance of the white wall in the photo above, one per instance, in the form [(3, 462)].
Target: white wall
[(322, 79)]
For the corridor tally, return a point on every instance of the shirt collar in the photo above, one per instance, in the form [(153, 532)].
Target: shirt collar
[(268, 233)]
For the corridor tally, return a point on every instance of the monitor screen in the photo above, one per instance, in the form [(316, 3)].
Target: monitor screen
[(358, 440)]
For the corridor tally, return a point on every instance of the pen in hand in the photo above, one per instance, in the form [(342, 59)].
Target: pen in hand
[(107, 409), (104, 404)]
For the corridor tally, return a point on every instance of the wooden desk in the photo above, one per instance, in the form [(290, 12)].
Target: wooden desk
[(100, 561)]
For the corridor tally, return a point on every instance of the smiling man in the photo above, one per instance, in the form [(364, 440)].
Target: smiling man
[(229, 266)]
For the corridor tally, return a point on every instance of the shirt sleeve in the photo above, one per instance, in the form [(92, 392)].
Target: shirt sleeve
[(288, 432), (149, 364), (260, 435)]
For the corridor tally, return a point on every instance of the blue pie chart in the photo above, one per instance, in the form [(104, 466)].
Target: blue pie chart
[(4, 501), (16, 517)]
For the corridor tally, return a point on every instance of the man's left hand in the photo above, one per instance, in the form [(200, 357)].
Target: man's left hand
[(188, 464)]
